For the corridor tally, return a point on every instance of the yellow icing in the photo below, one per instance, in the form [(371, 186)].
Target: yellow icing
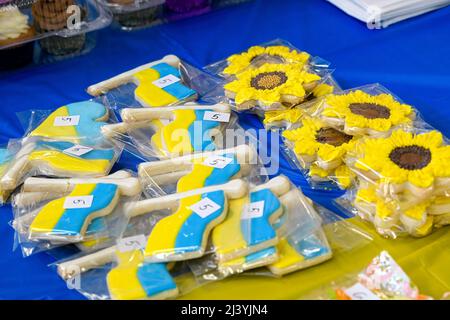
[(48, 129), (164, 234), (174, 137), (195, 179), (288, 256), (123, 282), (148, 92), (425, 228), (227, 237), (61, 161), (51, 213)]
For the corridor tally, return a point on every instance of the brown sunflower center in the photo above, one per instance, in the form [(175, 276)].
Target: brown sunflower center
[(269, 80), (411, 157), (370, 110), (332, 136)]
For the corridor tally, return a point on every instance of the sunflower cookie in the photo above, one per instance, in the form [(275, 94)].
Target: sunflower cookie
[(362, 114), (257, 56), (271, 86), (282, 118), (407, 167), (389, 218)]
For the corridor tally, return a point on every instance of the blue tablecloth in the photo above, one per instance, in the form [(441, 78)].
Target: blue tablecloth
[(409, 58)]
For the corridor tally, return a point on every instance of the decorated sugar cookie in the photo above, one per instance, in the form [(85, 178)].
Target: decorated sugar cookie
[(359, 113), (271, 86), (77, 122), (256, 56), (282, 118), (68, 217), (389, 219), (297, 254), (315, 142), (63, 159), (158, 83), (248, 227), (176, 130), (406, 163), (183, 234), (135, 279)]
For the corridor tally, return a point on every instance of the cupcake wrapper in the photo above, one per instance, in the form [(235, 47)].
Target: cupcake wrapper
[(60, 46), (139, 18)]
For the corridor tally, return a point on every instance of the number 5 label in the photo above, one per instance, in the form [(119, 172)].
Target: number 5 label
[(217, 162), (78, 202), (66, 121), (205, 207), (254, 210), (216, 116), (166, 81), (131, 243)]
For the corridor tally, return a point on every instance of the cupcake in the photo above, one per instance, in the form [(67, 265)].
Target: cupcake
[(14, 29), (129, 15), (50, 16), (179, 9)]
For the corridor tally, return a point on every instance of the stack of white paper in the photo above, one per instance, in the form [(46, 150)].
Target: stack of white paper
[(382, 13)]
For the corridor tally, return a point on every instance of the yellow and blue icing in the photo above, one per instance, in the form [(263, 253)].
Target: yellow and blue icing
[(5, 158), (236, 234), (183, 231), (54, 219), (88, 129), (187, 133), (133, 278), (249, 261), (96, 161), (151, 95), (259, 230), (205, 176)]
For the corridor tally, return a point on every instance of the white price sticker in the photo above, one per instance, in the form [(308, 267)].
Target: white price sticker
[(253, 210), (66, 121), (216, 116), (217, 161), (166, 81), (79, 202), (360, 292), (205, 207), (78, 150), (131, 243)]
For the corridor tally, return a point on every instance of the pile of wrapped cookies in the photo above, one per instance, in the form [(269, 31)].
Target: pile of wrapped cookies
[(200, 206)]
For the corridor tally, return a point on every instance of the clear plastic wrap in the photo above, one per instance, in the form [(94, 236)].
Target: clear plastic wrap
[(34, 156), (403, 182), (44, 31), (5, 158), (319, 151), (285, 234), (169, 81), (382, 279), (55, 212), (201, 170), (370, 110), (79, 123), (173, 131)]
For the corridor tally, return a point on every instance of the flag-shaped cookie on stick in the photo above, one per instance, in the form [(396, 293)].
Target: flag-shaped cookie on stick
[(159, 83), (70, 217), (174, 131)]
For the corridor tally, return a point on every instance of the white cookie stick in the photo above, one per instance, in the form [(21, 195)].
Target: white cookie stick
[(142, 114), (244, 155), (19, 166), (121, 128), (128, 76), (233, 189)]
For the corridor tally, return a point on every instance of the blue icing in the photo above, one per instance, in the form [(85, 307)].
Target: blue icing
[(190, 236), (258, 230), (106, 154), (88, 111), (97, 225), (73, 220), (155, 278), (5, 156), (221, 176), (310, 247), (177, 89), (204, 127), (261, 254)]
